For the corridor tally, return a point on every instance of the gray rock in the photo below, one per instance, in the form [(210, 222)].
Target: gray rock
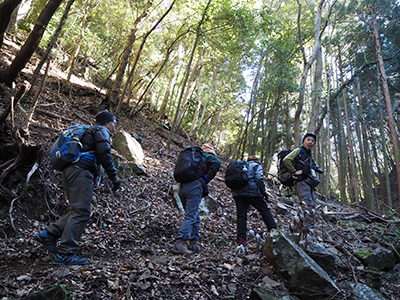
[(127, 146), (380, 258), (207, 204), (287, 200), (138, 169), (303, 274), (264, 292), (364, 292), (281, 209), (325, 259)]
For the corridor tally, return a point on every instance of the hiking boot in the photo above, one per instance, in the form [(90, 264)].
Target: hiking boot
[(194, 246), (180, 248), (69, 260), (48, 240), (242, 241)]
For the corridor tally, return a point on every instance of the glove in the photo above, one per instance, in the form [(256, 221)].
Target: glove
[(206, 179), (318, 170), (117, 183), (265, 197)]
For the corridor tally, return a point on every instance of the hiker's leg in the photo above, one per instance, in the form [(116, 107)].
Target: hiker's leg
[(191, 192), (80, 183), (305, 193), (261, 206), (241, 212)]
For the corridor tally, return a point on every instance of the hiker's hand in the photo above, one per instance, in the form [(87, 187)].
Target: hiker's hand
[(206, 179), (298, 172), (265, 197), (117, 183), (319, 170)]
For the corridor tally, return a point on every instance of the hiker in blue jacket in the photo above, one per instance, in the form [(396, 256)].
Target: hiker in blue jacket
[(78, 181), (190, 194), (301, 164), (252, 194)]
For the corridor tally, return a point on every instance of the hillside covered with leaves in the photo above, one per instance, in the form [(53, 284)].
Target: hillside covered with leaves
[(129, 236)]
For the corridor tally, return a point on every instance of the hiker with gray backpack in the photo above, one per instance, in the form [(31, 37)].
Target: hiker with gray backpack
[(78, 152), (246, 181), (194, 169)]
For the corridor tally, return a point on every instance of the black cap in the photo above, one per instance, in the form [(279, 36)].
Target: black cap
[(309, 134), (104, 117)]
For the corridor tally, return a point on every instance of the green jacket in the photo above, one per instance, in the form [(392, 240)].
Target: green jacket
[(298, 159)]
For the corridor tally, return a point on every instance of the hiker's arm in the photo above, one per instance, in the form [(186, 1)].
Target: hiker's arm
[(289, 159), (102, 152), (214, 164), (259, 179), (316, 167)]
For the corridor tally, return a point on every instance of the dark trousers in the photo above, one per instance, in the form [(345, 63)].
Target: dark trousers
[(242, 205), (78, 185)]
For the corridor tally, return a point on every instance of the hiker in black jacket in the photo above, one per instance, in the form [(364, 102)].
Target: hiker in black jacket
[(78, 181), (302, 166), (252, 194)]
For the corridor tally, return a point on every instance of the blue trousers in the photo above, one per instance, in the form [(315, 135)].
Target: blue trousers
[(190, 194)]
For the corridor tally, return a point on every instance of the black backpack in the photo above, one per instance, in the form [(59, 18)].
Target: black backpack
[(284, 175), (67, 148), (187, 165), (236, 175)]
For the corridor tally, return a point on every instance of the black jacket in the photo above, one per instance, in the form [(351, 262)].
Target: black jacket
[(97, 140)]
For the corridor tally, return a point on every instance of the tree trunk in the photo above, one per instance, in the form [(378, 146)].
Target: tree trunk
[(75, 53), (187, 73), (171, 83), (385, 156), (51, 44), (386, 95), (306, 64), (116, 88), (210, 91), (31, 43), (6, 10), (353, 188), (198, 105), (316, 93), (137, 56), (188, 87), (342, 156), (366, 165)]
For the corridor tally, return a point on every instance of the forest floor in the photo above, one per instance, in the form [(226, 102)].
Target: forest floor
[(130, 233)]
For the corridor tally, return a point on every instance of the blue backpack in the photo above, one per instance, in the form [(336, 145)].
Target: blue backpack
[(67, 148)]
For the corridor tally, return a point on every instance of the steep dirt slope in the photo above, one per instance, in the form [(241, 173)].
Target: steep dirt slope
[(130, 233)]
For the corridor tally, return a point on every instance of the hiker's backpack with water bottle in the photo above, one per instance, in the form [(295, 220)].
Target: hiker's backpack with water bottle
[(67, 148)]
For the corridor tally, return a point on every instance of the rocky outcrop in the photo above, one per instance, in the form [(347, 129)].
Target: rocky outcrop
[(305, 277)]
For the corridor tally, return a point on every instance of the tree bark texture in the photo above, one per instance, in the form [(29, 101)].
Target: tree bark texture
[(113, 94), (307, 63), (187, 72), (386, 95), (51, 44), (31, 43), (6, 10)]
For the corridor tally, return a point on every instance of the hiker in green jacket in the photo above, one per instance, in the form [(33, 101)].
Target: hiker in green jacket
[(302, 166)]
